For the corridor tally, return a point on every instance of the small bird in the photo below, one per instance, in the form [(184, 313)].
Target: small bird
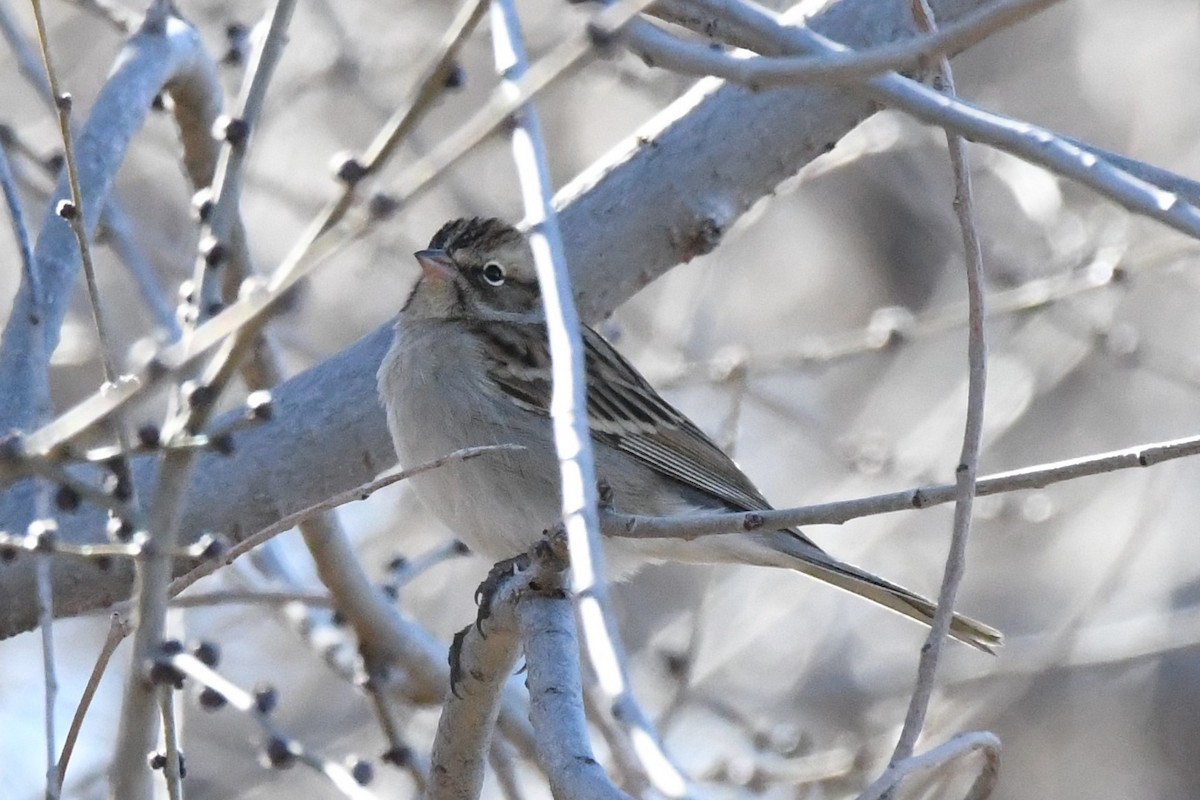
[(470, 365)]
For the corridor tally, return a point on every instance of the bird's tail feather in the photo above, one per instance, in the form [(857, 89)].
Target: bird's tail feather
[(805, 557)]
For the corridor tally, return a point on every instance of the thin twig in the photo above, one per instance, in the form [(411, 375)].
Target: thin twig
[(118, 629), (660, 49), (50, 680), (74, 215), (968, 466), (282, 749), (290, 521), (173, 766), (836, 513), (960, 745), (1030, 142), (568, 417)]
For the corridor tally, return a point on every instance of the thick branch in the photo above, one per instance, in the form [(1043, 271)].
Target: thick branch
[(666, 195)]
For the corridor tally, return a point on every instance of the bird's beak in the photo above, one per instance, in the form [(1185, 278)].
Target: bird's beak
[(436, 263)]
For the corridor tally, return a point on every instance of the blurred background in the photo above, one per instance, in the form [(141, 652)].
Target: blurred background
[(823, 343)]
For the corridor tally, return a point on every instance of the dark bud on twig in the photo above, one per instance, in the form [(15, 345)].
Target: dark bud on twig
[(66, 498), (187, 292), (214, 308), (338, 619), (677, 664), (202, 203), (55, 162), (155, 368), (159, 102), (210, 547), (198, 395), (400, 756), (259, 405), (348, 169), (602, 38), (119, 530), (265, 698), (397, 563), (162, 672), (221, 443), (392, 592), (207, 653), (159, 761), (460, 548), (381, 206), (63, 102), (362, 771), (8, 552), (149, 436), (456, 78), (278, 754), (210, 699), (67, 210), (43, 535), (234, 130), (212, 251), (238, 36)]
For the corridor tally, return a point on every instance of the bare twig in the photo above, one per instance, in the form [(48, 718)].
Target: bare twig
[(1027, 141), (358, 493), (968, 466), (960, 745), (281, 748), (1036, 477), (568, 417), (118, 629), (660, 49), (74, 214)]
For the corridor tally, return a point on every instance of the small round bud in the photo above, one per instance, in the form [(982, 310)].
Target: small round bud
[(362, 771), (221, 443), (149, 436), (381, 206), (66, 209), (259, 405), (119, 530), (157, 760), (63, 102), (158, 102), (207, 653), (278, 754), (456, 78), (213, 252), (210, 547), (210, 699), (202, 203), (199, 395), (348, 169), (66, 498), (43, 535), (265, 698), (398, 756), (234, 130)]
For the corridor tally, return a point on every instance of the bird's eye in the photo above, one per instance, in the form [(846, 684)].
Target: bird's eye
[(493, 273)]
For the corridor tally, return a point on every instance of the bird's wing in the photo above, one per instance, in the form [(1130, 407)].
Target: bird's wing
[(624, 412)]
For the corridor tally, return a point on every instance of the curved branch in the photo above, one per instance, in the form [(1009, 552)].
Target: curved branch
[(667, 194)]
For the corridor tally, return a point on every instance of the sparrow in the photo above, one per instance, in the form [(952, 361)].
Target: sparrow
[(469, 365)]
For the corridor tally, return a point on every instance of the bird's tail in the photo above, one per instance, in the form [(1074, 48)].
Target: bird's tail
[(804, 556)]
